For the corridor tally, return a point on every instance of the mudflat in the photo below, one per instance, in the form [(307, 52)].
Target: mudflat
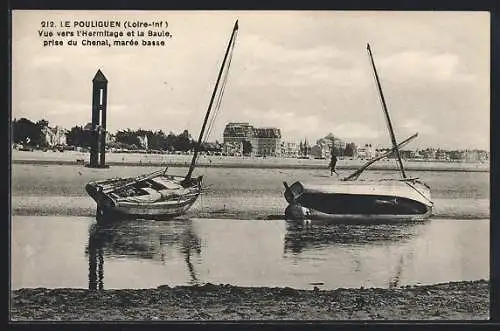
[(241, 193)]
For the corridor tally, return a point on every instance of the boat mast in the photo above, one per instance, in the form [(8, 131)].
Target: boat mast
[(387, 117), (198, 145), (358, 172)]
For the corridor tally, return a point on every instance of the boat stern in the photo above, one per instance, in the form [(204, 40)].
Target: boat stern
[(92, 190), (293, 192)]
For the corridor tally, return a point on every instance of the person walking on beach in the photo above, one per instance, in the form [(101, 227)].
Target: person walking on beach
[(333, 163)]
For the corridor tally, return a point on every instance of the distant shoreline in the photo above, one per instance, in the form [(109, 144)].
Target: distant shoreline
[(247, 163)]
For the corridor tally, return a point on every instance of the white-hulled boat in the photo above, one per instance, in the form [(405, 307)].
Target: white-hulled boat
[(360, 200), (159, 194), (351, 199)]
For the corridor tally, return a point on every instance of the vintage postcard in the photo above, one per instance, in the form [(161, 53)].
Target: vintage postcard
[(250, 165)]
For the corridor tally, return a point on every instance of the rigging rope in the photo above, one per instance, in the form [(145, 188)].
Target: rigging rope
[(387, 123), (198, 145), (221, 91), (387, 118)]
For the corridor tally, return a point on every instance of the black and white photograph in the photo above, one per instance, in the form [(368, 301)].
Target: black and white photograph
[(184, 165)]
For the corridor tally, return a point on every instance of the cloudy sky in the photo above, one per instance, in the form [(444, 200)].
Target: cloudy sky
[(305, 72)]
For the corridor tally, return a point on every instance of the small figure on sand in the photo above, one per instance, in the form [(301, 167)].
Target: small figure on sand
[(333, 163)]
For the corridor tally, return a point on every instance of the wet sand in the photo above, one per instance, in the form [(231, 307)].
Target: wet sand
[(451, 301), (230, 193)]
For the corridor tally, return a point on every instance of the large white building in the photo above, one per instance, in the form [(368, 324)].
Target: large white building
[(289, 149), (365, 152), (54, 136), (320, 151), (264, 141), (232, 148), (143, 141)]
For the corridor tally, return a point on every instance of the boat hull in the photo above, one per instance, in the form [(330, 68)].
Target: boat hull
[(299, 213), (111, 207), (354, 201), (146, 211)]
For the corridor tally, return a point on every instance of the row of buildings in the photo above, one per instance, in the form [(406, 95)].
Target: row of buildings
[(268, 142), (245, 139), (473, 155)]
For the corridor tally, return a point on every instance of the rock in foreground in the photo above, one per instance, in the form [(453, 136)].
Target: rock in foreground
[(450, 301)]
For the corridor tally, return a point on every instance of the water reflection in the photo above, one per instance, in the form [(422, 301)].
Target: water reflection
[(396, 279), (70, 252), (140, 239), (96, 260), (299, 236), (354, 241)]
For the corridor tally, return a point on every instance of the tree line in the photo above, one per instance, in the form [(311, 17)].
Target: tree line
[(158, 140), (29, 133)]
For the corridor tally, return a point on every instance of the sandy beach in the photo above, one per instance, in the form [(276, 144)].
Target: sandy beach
[(43, 189), (161, 160)]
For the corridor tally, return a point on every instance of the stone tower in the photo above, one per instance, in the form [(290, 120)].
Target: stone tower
[(99, 102)]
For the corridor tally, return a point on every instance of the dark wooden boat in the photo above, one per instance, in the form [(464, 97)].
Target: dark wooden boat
[(158, 194), (351, 199), (155, 195)]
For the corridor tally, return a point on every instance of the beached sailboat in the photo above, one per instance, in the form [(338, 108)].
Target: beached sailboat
[(351, 199), (159, 194)]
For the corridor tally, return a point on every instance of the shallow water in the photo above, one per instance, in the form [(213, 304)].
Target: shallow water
[(65, 251)]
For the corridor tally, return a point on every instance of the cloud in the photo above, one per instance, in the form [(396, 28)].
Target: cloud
[(49, 60), (266, 63), (424, 66), (261, 48), (356, 131), (417, 125), (305, 72)]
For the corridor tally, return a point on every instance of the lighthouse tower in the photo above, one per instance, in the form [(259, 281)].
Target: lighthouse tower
[(99, 103)]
